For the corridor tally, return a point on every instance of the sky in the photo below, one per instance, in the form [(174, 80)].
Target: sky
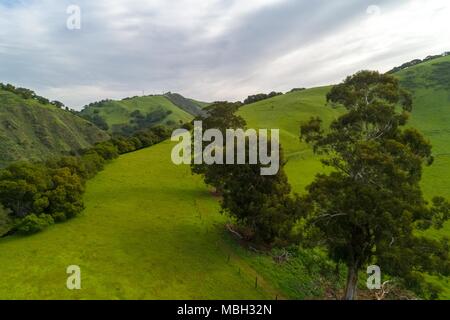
[(208, 49)]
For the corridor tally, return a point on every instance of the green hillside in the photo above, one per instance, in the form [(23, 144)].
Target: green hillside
[(151, 230), (429, 83), (170, 109), (30, 130), (286, 113)]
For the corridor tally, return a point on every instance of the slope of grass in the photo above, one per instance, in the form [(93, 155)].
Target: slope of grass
[(117, 113), (150, 231), (190, 106), (286, 113), (30, 130), (430, 84)]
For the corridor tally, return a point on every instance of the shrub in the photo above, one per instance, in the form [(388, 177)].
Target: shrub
[(6, 222), (33, 224), (59, 217)]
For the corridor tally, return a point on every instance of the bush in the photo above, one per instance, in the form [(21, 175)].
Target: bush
[(33, 224), (93, 163), (6, 222), (107, 150), (59, 217)]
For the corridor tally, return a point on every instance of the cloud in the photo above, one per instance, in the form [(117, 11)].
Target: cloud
[(209, 50)]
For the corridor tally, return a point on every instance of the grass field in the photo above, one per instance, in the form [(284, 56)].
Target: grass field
[(150, 231)]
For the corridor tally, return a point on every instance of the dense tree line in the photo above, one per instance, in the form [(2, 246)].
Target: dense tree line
[(140, 121), (96, 119), (416, 62), (261, 96), (297, 90), (29, 94), (36, 195)]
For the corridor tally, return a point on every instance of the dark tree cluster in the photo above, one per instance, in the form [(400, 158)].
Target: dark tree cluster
[(261, 96), (141, 121), (297, 90), (416, 62), (141, 139), (261, 205), (97, 120), (97, 104)]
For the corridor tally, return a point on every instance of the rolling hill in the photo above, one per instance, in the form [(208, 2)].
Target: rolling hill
[(429, 82), (32, 130), (151, 230), (169, 109)]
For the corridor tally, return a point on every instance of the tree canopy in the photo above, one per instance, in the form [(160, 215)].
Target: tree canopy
[(367, 210)]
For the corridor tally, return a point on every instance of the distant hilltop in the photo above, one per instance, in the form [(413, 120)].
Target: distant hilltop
[(418, 61)]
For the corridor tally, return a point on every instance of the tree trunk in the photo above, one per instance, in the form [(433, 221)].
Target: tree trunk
[(352, 281)]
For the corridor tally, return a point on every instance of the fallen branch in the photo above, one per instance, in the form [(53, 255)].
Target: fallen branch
[(237, 234)]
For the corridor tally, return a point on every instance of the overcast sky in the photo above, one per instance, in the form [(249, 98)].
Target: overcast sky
[(209, 49)]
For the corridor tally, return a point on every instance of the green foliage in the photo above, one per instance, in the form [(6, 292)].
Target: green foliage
[(6, 222), (261, 96), (368, 208), (97, 120), (260, 203), (34, 189), (297, 90), (22, 188), (141, 121), (33, 224), (416, 62), (107, 150)]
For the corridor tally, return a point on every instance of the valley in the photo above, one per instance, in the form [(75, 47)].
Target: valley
[(152, 230)]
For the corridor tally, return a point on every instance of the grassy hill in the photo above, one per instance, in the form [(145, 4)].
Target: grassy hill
[(429, 83), (30, 130), (151, 230), (169, 109), (286, 113)]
